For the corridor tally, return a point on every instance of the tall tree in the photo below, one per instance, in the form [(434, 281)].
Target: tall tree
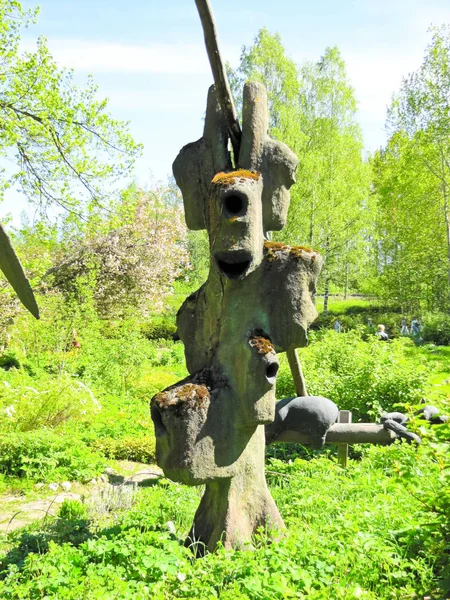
[(65, 143), (313, 110), (413, 183)]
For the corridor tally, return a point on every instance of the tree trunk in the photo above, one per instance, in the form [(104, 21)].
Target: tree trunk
[(346, 281), (326, 296), (233, 509), (447, 224)]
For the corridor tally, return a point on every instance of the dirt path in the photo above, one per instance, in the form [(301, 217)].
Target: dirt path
[(19, 510)]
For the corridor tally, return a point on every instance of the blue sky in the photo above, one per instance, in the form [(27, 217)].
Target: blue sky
[(148, 57)]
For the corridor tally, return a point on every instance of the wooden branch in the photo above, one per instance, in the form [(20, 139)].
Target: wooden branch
[(14, 273), (345, 433), (297, 373), (220, 75)]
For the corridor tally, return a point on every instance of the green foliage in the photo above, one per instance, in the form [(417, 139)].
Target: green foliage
[(40, 455), (53, 127), (436, 329), (159, 327), (139, 449), (357, 533), (364, 376), (72, 510), (9, 361), (27, 403), (411, 178)]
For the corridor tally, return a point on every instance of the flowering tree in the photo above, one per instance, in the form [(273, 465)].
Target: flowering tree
[(133, 258)]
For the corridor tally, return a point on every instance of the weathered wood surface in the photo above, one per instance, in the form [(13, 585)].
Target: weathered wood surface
[(297, 372), (345, 416), (14, 273), (346, 433), (220, 75)]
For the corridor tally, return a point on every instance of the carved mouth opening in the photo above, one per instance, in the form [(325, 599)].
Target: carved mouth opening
[(233, 270), (234, 265)]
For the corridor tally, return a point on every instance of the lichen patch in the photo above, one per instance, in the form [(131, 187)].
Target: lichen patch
[(262, 344), (273, 250), (190, 395), (223, 178)]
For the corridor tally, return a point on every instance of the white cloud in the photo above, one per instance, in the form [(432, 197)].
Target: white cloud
[(108, 57)]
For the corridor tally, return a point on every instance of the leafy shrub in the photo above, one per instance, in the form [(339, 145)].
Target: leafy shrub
[(436, 329), (41, 455), (27, 403), (363, 376), (159, 327), (356, 319), (139, 449), (72, 510)]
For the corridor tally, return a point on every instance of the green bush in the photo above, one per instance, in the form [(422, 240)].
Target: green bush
[(43, 455), (355, 319), (9, 361), (436, 329), (72, 510), (28, 403), (139, 449), (366, 377), (159, 328)]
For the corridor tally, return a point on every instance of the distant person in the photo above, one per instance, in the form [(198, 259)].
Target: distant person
[(75, 341), (369, 323), (381, 333), (415, 327), (404, 329), (337, 326)]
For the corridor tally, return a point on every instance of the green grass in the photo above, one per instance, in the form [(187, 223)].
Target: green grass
[(377, 530), (338, 305), (355, 533)]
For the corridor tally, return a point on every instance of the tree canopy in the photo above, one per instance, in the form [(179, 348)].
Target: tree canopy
[(67, 148), (313, 110)]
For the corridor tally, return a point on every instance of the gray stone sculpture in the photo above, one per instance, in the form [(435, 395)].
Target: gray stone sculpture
[(398, 417), (308, 415), (427, 412), (257, 301)]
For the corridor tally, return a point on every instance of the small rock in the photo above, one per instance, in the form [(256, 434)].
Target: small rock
[(93, 481), (53, 487), (110, 471), (427, 412), (103, 478), (39, 486), (66, 486)]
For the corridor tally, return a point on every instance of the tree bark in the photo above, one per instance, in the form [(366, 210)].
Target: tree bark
[(220, 75), (326, 295), (233, 509)]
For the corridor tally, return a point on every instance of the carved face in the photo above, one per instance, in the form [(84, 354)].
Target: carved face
[(236, 223), (203, 424)]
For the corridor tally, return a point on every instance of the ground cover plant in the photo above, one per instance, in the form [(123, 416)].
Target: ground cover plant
[(372, 531)]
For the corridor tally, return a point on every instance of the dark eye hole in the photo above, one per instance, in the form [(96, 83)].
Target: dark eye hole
[(233, 204), (272, 370)]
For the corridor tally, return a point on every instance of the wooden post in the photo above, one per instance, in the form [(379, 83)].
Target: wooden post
[(345, 416), (297, 373), (220, 75)]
